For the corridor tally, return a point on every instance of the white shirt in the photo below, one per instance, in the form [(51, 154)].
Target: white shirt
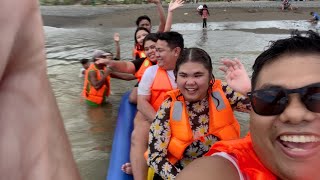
[(147, 79)]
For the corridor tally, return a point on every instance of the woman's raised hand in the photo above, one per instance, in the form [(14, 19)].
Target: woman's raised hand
[(174, 4), (236, 75)]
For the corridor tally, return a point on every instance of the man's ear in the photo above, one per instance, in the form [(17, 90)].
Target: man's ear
[(177, 51)]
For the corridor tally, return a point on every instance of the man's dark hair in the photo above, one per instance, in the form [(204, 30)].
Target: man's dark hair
[(84, 61), (151, 37), (140, 18), (174, 39), (296, 44)]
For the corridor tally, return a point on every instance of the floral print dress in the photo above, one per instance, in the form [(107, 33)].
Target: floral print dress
[(160, 133)]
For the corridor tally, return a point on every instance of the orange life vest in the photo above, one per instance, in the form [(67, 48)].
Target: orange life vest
[(146, 63), (161, 85), (222, 122), (89, 92), (139, 53), (249, 163)]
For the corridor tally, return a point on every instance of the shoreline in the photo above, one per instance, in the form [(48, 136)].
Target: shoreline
[(121, 16)]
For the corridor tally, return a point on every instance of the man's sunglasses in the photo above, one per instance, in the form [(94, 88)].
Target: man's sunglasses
[(273, 101)]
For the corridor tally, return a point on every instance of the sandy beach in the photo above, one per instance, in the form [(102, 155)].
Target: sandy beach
[(125, 15)]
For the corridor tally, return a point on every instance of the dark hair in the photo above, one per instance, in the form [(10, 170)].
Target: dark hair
[(140, 18), (196, 55), (296, 44), (84, 61), (174, 39), (311, 13), (150, 37), (135, 37), (205, 7)]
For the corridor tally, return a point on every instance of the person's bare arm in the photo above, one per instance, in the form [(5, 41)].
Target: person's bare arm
[(172, 6), (33, 141), (119, 66), (122, 66), (97, 84), (116, 38), (145, 107), (209, 168), (123, 76), (133, 53), (162, 16)]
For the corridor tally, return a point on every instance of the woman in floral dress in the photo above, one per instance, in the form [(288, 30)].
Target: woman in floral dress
[(195, 84)]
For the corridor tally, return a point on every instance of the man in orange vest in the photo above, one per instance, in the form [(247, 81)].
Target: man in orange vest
[(284, 139), (155, 82), (97, 80)]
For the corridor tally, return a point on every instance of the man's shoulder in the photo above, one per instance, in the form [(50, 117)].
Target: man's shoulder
[(149, 73), (152, 69)]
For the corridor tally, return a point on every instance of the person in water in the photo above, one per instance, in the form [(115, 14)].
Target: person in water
[(86, 62), (34, 143), (284, 138), (85, 65), (137, 66), (198, 114), (315, 18), (286, 5), (96, 86), (204, 13)]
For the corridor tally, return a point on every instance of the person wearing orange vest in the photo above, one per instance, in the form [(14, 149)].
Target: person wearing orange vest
[(97, 81), (155, 82), (284, 138), (139, 36), (196, 115), (248, 163), (145, 22), (138, 66)]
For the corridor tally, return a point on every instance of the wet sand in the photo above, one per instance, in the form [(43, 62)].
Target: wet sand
[(119, 16)]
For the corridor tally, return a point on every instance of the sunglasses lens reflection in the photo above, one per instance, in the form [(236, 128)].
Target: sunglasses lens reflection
[(268, 102)]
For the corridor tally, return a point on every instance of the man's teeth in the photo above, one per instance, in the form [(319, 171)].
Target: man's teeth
[(299, 138), (191, 89)]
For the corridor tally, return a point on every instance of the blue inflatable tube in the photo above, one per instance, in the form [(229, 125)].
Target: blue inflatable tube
[(120, 153)]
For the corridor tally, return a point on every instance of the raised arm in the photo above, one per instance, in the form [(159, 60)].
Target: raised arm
[(174, 4), (162, 16), (236, 75), (116, 38), (33, 141)]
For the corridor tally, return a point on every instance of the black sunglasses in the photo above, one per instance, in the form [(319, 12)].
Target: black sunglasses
[(273, 101)]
